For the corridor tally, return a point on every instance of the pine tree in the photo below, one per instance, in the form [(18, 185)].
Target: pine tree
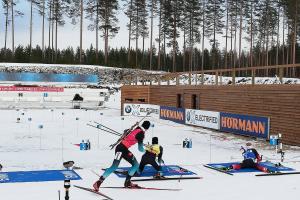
[(33, 3), (108, 23), (92, 13), (59, 7), (138, 24), (267, 21), (153, 8), (214, 18), (75, 9), (193, 15), (173, 12)]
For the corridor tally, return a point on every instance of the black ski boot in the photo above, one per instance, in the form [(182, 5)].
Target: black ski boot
[(129, 184)]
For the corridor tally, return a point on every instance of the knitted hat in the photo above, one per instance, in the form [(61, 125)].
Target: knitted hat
[(155, 140), (146, 124)]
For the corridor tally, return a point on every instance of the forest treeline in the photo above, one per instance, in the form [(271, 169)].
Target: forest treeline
[(254, 33)]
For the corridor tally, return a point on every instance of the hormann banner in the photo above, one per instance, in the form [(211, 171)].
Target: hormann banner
[(30, 89), (141, 110), (173, 114), (245, 125), (202, 118)]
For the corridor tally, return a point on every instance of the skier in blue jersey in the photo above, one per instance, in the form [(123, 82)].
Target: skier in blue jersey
[(251, 160)]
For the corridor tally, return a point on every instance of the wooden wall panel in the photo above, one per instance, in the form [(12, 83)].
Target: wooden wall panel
[(279, 102)]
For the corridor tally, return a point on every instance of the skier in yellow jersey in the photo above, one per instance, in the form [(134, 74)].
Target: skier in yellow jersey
[(152, 151)]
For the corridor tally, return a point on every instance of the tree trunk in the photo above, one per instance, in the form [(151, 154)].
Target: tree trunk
[(203, 36), (30, 40), (277, 48), (43, 31), (12, 28), (49, 39), (251, 36), (137, 36), (97, 40), (106, 37), (235, 32), (165, 62), (143, 53), (241, 31), (6, 27), (231, 42), (129, 34), (174, 44), (295, 33), (184, 49), (283, 42), (295, 40), (226, 37), (52, 54), (106, 46), (56, 26), (81, 24), (151, 35), (191, 43), (214, 40), (159, 40)]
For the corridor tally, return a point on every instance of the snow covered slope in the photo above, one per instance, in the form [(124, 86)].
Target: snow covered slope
[(25, 147)]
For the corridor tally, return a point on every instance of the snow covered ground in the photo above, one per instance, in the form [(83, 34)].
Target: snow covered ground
[(22, 150)]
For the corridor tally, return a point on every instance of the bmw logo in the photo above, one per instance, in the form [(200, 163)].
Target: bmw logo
[(128, 109), (188, 115)]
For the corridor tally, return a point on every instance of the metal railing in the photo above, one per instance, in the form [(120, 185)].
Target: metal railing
[(279, 71)]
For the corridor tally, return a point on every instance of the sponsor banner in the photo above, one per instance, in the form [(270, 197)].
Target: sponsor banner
[(30, 89), (173, 114), (141, 110), (203, 118), (245, 125), (48, 77)]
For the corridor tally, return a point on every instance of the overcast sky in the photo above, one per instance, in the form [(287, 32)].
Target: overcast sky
[(68, 35)]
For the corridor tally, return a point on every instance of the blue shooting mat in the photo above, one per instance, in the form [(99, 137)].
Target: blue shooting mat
[(267, 164), (167, 170), (38, 176)]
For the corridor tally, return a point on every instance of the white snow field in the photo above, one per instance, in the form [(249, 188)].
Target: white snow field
[(25, 147)]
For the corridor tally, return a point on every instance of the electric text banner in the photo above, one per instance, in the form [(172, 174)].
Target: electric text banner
[(173, 114), (245, 125), (202, 118), (141, 110)]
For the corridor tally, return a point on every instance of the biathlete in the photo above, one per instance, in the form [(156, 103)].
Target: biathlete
[(122, 151), (152, 152), (251, 160)]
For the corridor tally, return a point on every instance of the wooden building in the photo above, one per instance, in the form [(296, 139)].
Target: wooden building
[(281, 103)]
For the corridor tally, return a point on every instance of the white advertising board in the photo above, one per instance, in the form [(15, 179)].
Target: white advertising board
[(202, 118), (141, 110)]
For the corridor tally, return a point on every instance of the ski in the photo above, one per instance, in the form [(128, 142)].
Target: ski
[(167, 179), (278, 174), (142, 188), (93, 191), (219, 170)]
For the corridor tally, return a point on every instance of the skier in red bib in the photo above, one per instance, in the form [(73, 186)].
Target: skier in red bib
[(122, 151)]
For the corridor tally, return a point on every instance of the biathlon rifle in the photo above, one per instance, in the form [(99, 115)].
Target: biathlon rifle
[(126, 132)]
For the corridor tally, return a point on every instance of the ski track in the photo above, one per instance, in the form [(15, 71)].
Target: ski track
[(20, 150)]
